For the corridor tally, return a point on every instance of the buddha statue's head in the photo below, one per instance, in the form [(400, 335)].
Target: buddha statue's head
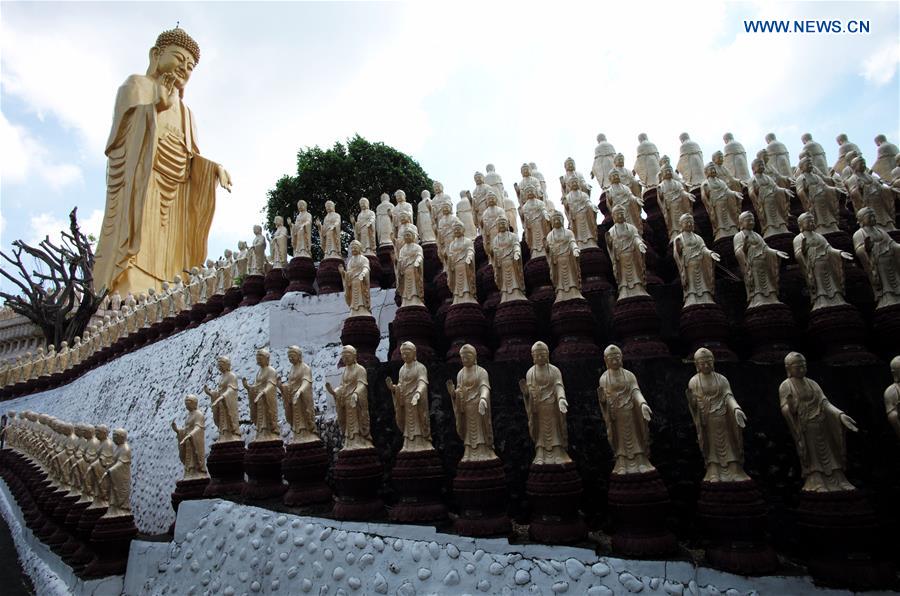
[(175, 53)]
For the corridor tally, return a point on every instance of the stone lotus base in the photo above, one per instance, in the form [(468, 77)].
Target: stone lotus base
[(187, 490), (357, 477), (215, 306), (886, 326), (573, 327), (706, 326), (166, 328), (413, 323), (385, 255), (375, 272), (839, 334), (479, 489), (596, 270), (733, 517), (182, 320), (537, 280), (431, 263), (554, 491), (197, 314), (771, 331), (465, 324), (225, 464), (639, 505), (637, 325), (304, 467), (516, 327), (301, 274), (418, 477), (488, 292), (68, 549), (262, 464), (275, 284), (84, 555), (252, 289), (60, 535), (363, 334), (110, 542), (232, 300), (843, 541), (725, 248), (328, 277)]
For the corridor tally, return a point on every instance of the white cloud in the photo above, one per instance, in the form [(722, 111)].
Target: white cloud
[(43, 225), (92, 224), (24, 157), (880, 66)]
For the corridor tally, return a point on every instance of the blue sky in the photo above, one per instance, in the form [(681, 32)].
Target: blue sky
[(456, 85)]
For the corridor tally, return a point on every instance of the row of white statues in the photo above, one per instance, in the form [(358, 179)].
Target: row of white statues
[(80, 459), (816, 425)]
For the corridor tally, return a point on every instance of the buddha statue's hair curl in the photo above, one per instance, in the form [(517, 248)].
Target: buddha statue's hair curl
[(178, 37)]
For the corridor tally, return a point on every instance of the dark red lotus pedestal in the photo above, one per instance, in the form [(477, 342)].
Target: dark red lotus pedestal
[(516, 328), (537, 280), (725, 248), (771, 331), (187, 490), (431, 262), (573, 327), (488, 292), (301, 273), (61, 535), (638, 506), (596, 270), (554, 491), (363, 334), (637, 325), (413, 323), (375, 272), (706, 326), (226, 469), (84, 554), (253, 289), (197, 314), (357, 479), (465, 324), (233, 297), (110, 542), (732, 516), (214, 307), (182, 320), (839, 334), (73, 543), (304, 467), (275, 284), (263, 467), (166, 328), (328, 277), (417, 478), (386, 258), (886, 324), (479, 490), (843, 541)]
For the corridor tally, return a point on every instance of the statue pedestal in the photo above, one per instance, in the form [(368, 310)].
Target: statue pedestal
[(197, 314), (357, 479), (253, 289), (637, 326), (187, 490), (304, 467), (488, 292), (596, 270), (732, 516), (301, 273), (225, 464), (232, 300), (706, 326), (481, 257), (214, 307), (110, 541), (48, 504), (275, 283), (166, 328), (417, 477), (886, 322), (554, 492), (843, 541), (442, 298), (263, 466), (385, 255), (59, 514), (431, 262), (573, 326), (540, 292), (84, 555), (328, 277), (375, 272), (725, 248), (515, 327), (839, 333), (465, 324), (479, 490), (68, 549), (638, 506), (182, 320), (152, 334), (701, 218), (771, 331), (363, 334), (413, 323)]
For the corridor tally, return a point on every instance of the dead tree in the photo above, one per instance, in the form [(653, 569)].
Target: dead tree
[(61, 301)]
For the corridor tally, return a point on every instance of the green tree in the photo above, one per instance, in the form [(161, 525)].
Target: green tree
[(344, 174)]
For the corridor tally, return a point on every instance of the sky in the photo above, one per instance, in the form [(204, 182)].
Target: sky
[(456, 85)]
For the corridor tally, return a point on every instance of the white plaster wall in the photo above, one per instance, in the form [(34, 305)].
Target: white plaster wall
[(144, 391)]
